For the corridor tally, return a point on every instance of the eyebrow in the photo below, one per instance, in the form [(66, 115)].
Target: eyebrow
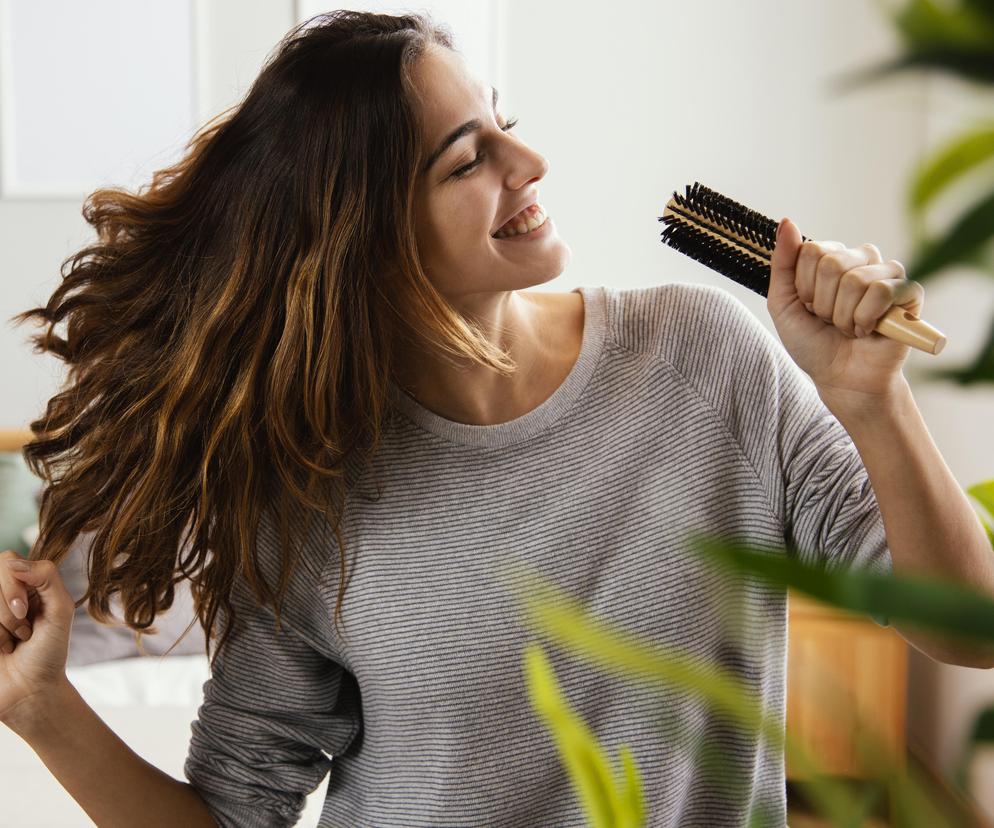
[(455, 135)]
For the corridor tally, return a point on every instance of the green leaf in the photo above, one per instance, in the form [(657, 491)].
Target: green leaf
[(983, 8), (980, 370), (983, 493), (970, 232), (589, 772), (983, 727), (929, 27), (953, 160), (931, 602), (981, 732), (551, 612), (958, 40), (633, 801)]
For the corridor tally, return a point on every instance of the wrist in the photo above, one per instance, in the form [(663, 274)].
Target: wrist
[(43, 711), (858, 408)]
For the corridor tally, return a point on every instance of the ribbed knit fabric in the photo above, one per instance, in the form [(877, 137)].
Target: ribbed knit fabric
[(682, 414)]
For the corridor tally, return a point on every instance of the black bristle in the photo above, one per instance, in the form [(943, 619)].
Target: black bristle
[(723, 258), (723, 212)]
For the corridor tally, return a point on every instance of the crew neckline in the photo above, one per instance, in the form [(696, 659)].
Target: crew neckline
[(540, 417)]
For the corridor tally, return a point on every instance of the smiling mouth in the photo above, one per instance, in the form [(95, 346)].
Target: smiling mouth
[(534, 217)]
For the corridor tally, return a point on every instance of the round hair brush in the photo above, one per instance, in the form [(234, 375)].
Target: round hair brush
[(738, 243)]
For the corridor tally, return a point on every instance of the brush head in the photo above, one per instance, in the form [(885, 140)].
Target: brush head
[(722, 234)]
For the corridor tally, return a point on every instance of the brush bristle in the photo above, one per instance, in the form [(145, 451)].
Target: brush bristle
[(722, 212)]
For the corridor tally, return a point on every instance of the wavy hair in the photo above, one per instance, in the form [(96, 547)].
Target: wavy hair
[(230, 335)]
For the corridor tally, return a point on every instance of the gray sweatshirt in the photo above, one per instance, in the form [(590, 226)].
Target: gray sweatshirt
[(682, 414)]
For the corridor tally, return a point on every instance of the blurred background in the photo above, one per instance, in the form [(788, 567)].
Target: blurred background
[(628, 102)]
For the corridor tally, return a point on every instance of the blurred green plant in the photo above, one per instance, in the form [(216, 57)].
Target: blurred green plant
[(608, 804), (956, 38), (954, 610), (983, 493)]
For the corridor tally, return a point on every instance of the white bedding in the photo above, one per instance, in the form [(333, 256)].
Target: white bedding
[(149, 703), (156, 681)]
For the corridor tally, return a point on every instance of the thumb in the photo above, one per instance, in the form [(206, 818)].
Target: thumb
[(43, 577), (783, 291)]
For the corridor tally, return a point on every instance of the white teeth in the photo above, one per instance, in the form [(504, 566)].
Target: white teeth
[(532, 222)]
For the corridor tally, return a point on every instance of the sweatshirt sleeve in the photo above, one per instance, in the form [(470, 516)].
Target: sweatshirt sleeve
[(274, 711), (815, 479)]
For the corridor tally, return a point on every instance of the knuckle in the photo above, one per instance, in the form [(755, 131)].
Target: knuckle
[(835, 262), (854, 277), (880, 288)]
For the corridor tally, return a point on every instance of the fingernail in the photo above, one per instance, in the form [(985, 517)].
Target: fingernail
[(18, 564), (23, 633), (780, 226), (18, 608), (8, 648)]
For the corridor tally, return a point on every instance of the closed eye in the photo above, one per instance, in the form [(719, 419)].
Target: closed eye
[(466, 168)]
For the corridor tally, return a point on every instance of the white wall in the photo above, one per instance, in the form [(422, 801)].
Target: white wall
[(629, 102), (630, 105)]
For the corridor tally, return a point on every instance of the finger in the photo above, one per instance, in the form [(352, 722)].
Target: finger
[(44, 584), (829, 271), (873, 253), (11, 638), (804, 268), (14, 603), (852, 289), (881, 295)]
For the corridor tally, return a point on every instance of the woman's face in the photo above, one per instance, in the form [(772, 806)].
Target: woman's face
[(473, 186)]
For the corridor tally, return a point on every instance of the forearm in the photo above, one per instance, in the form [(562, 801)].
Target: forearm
[(114, 785), (930, 526)]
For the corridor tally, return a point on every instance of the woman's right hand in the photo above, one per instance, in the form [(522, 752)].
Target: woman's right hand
[(38, 663)]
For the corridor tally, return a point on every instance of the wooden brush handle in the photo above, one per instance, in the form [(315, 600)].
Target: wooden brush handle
[(699, 222), (902, 326)]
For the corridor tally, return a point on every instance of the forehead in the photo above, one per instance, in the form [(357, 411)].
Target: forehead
[(448, 93)]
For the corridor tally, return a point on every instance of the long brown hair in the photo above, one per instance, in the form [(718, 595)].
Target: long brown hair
[(231, 334)]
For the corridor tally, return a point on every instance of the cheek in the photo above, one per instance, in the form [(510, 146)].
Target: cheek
[(465, 219), (461, 216)]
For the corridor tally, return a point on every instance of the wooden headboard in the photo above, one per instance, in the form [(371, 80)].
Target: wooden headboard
[(13, 439)]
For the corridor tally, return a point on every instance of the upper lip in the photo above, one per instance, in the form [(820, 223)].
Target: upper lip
[(528, 202)]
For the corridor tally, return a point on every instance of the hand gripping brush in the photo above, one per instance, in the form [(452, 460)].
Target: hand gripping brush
[(738, 243)]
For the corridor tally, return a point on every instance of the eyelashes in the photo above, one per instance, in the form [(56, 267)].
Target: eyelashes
[(465, 169)]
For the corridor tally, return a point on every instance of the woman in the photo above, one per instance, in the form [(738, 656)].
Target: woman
[(318, 306)]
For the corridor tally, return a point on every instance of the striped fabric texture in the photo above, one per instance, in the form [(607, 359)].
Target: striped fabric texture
[(683, 414)]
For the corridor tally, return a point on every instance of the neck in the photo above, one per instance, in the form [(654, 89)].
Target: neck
[(525, 325)]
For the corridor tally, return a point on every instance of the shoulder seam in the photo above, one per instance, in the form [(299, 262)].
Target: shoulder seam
[(714, 416)]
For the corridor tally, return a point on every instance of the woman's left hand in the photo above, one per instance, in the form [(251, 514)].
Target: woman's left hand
[(825, 299)]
